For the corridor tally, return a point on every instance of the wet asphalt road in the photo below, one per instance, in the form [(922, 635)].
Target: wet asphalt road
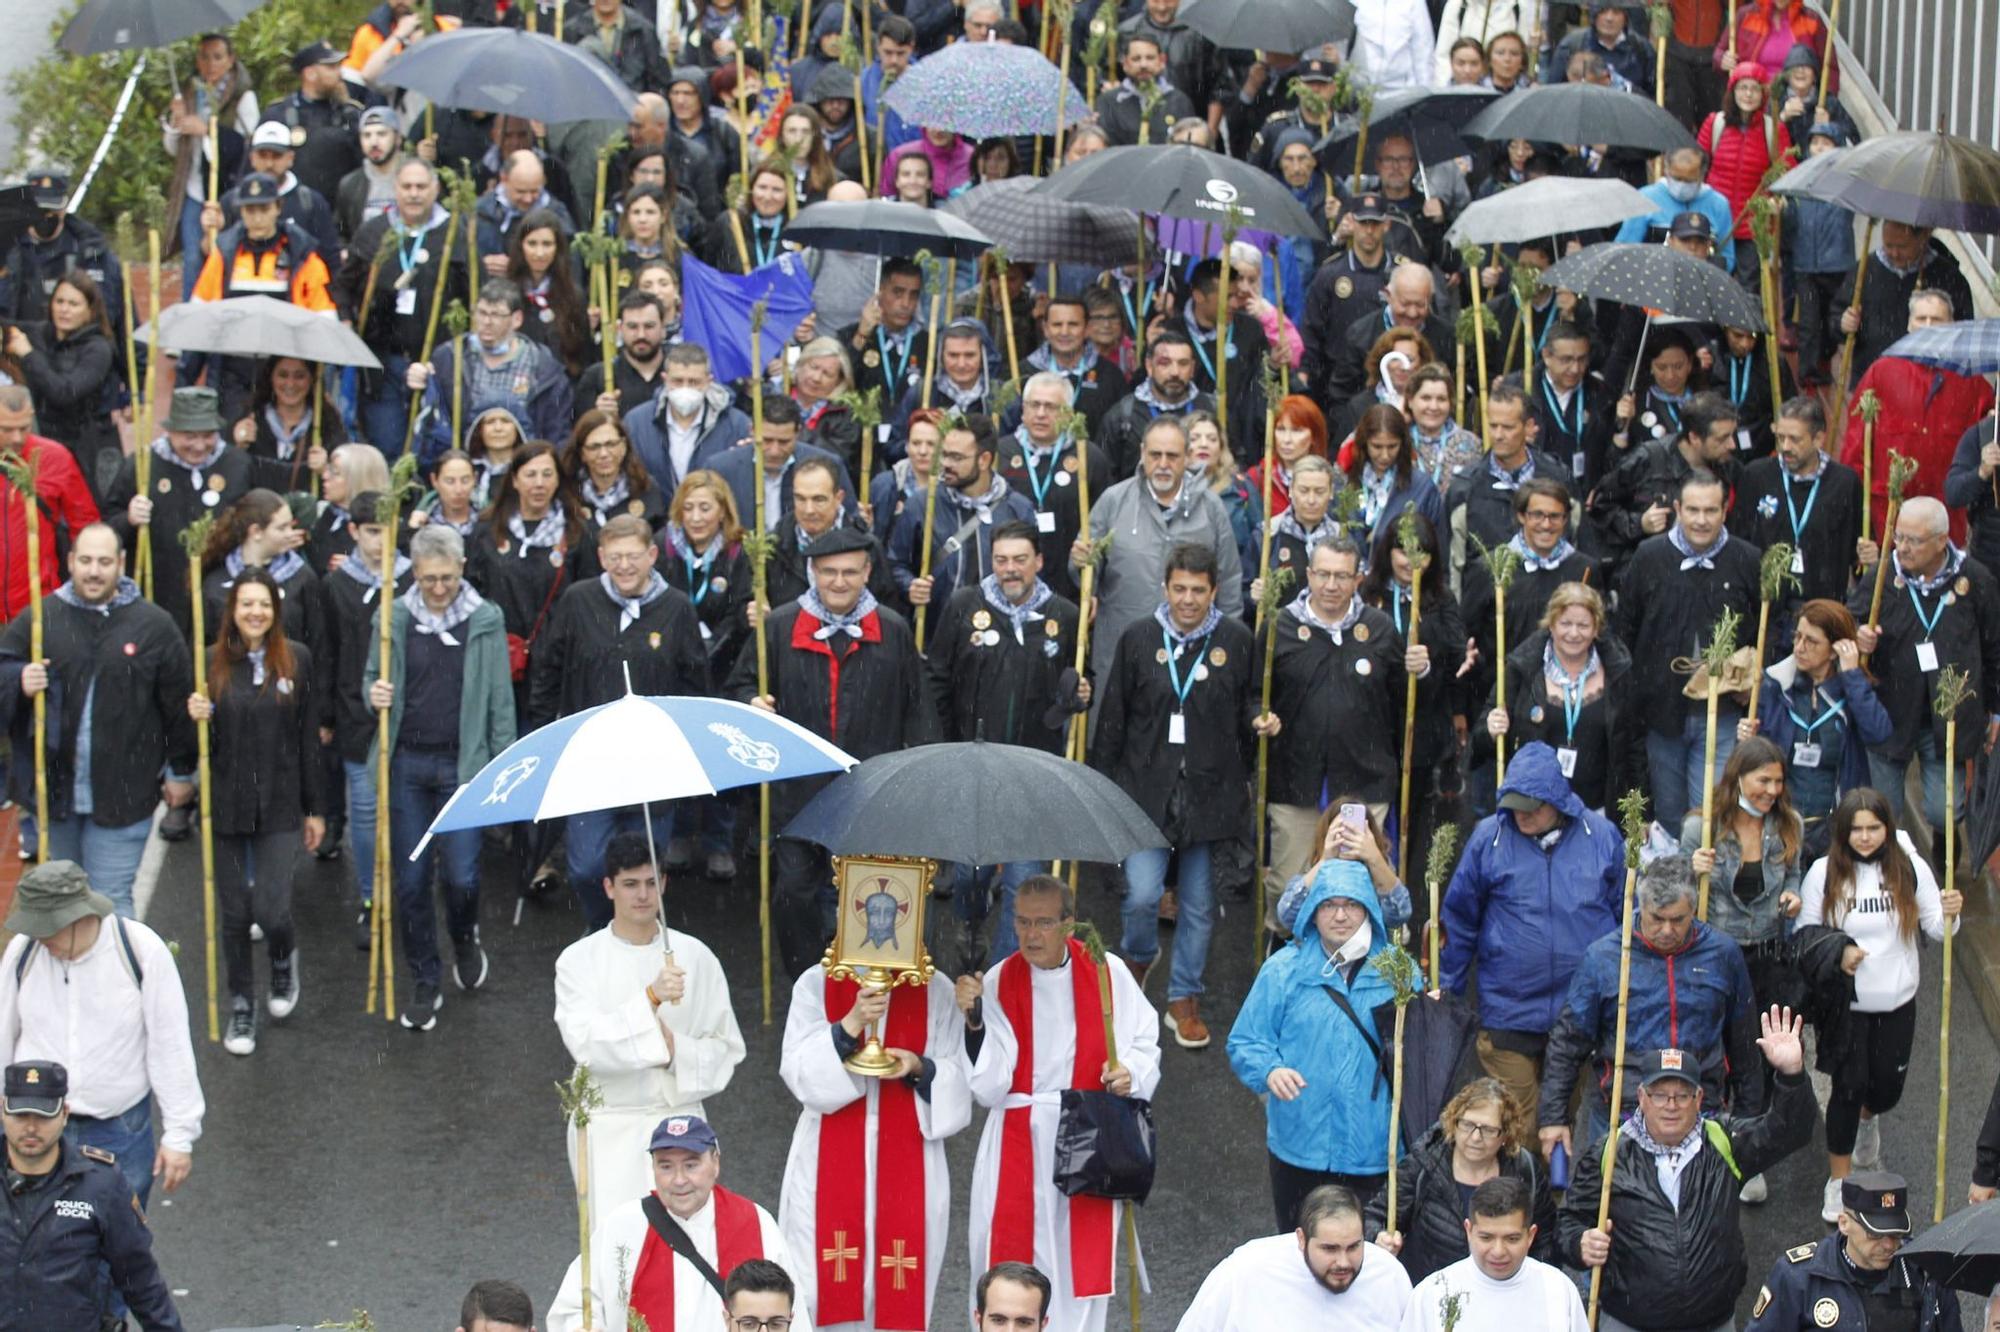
[(351, 1164)]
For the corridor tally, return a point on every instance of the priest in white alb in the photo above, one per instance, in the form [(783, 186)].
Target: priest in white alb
[(1324, 1274), (666, 1256), (867, 1198), (1044, 1033), (1497, 1287), (648, 1009)]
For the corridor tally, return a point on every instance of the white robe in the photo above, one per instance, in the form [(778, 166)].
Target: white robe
[(1266, 1283), (614, 1257), (812, 1071), (607, 1022), (1538, 1296), (1136, 1025)]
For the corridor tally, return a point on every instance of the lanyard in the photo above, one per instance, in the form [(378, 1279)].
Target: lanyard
[(1173, 673), (1671, 409), (412, 254), (1396, 603), (697, 573), (1799, 519), (1572, 699), (1133, 317), (1040, 484), (1194, 336), (766, 255), (1929, 622), (1562, 418), (894, 377), (1739, 385), (1810, 726)]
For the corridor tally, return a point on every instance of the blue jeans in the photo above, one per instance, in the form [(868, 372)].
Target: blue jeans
[(385, 408), (129, 1137), (1145, 880), (361, 826), (972, 888), (583, 849), (419, 785), (109, 856), (1673, 764), (1887, 777), (712, 819), (191, 240)]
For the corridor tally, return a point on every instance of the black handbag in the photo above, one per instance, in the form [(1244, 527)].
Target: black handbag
[(1104, 1146)]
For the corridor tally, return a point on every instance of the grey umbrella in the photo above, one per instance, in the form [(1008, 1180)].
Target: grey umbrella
[(1657, 278), (136, 25), (1036, 229), (1922, 178), (1549, 206), (886, 228), (1287, 26), (1579, 113), (260, 326), (511, 73), (1005, 803)]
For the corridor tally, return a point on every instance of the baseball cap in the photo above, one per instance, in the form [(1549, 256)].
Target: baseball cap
[(257, 188), (1659, 1065), (1880, 1199), (1315, 70), (1520, 801), (1831, 130), (381, 115), (1369, 208), (36, 1087), (319, 53), (1685, 225), (50, 189), (272, 134), (688, 1132)]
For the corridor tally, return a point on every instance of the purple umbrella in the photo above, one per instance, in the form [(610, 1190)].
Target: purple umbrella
[(986, 90)]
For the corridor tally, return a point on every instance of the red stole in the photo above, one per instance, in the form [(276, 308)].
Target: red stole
[(1091, 1234), (895, 1252), (738, 1238)]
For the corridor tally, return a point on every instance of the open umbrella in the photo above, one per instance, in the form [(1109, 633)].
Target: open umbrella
[(887, 228), (259, 326), (1007, 803), (1432, 117), (1922, 178), (1180, 180), (1436, 1036), (1656, 278), (1286, 26), (1963, 1250), (1965, 347), (102, 26), (1036, 229), (511, 73), (1580, 113), (1549, 206), (986, 90)]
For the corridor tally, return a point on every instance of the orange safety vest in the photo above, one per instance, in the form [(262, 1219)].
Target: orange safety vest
[(272, 273)]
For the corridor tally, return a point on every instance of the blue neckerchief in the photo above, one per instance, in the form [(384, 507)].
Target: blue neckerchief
[(1174, 643), (368, 574), (1690, 559), (1302, 611), (285, 568), (1504, 479), (1144, 393), (1038, 596), (126, 594), (1572, 687), (630, 608), (1533, 563), (831, 624)]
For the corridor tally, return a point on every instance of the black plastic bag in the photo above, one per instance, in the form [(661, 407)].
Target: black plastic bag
[(1104, 1146)]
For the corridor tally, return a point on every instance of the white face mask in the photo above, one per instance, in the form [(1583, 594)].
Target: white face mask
[(1682, 191), (686, 401)]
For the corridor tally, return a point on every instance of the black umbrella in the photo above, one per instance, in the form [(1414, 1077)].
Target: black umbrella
[(1922, 178), (1433, 118), (1657, 278), (103, 26), (1436, 1035), (1982, 824), (1963, 1250), (511, 73), (1580, 113), (977, 804), (1180, 180), (1285, 26), (887, 228), (1039, 230)]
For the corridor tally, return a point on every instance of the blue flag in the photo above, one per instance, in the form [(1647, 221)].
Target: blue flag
[(715, 310)]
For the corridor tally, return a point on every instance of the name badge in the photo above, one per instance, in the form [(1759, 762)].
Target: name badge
[(1927, 659), (1566, 760), (884, 433), (1177, 729), (1805, 754), (1743, 440), (1045, 521), (1798, 561), (1576, 464), (406, 301)]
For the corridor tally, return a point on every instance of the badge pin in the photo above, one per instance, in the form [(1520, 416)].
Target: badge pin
[(718, 584), (1069, 463), (653, 640), (217, 483), (1160, 656), (211, 498), (871, 358), (1062, 478), (555, 559), (165, 486), (991, 636), (1826, 1313), (1343, 287), (422, 256), (1051, 628), (1963, 585), (981, 619), (1017, 462), (1364, 667), (1361, 633), (636, 507), (1200, 672), (547, 315), (298, 135), (1218, 658), (1284, 554), (1305, 633), (1535, 714)]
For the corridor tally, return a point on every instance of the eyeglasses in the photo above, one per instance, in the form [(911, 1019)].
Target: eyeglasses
[(437, 580), (1535, 516), (1478, 1131), (1324, 576), (623, 559), (602, 445), (1036, 925), (1672, 1100), (778, 1324)]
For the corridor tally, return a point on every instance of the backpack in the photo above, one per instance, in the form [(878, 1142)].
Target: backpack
[(132, 967)]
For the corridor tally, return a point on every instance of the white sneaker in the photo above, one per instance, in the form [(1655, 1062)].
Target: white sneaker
[(284, 992), (256, 932), (1754, 1190), (1829, 1203), (1868, 1144), (241, 1036)]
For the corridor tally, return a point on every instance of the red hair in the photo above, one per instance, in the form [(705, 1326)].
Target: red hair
[(1302, 413)]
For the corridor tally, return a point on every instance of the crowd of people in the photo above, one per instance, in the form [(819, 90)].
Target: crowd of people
[(1425, 605)]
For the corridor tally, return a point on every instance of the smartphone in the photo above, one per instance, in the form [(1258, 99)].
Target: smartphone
[(1356, 815)]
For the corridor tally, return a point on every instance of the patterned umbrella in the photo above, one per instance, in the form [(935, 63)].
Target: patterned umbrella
[(1922, 178), (985, 90), (1529, 211), (1036, 229), (1658, 278), (1968, 347), (1286, 26), (1580, 113), (1180, 180), (1432, 117)]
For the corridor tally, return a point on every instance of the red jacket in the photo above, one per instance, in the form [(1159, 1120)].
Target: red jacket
[(1924, 413), (66, 509), (1740, 157)]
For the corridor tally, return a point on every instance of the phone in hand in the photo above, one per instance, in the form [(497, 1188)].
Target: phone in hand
[(1355, 816)]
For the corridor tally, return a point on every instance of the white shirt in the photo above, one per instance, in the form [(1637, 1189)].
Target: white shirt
[(1393, 43), (1537, 1296), (1887, 977), (118, 1040), (1266, 1284), (681, 440)]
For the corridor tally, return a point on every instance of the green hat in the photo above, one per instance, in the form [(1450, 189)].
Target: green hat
[(53, 896), (194, 410)]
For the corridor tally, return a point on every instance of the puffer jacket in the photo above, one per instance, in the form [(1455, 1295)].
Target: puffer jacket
[(1429, 1213), (1340, 1122), (1528, 913), (1679, 1267), (1741, 157), (1759, 920)]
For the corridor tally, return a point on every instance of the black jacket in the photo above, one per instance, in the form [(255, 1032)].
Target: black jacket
[(1121, 430), (264, 751), (1431, 1215), (1603, 771), (1342, 709), (1682, 1267), (720, 596), (75, 382), (1885, 299), (1443, 632), (1647, 474), (524, 583), (1527, 601), (1967, 636), (177, 503), (353, 628), (289, 474), (1965, 489), (298, 603), (134, 667), (1763, 518), (389, 333), (1210, 773), (581, 659), (1577, 433), (52, 1259), (988, 686), (1808, 1278), (785, 577), (1665, 614), (331, 146), (1060, 497), (1342, 290), (1488, 501)]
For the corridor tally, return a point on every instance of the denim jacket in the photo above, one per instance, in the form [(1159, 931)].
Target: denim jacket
[(1759, 920)]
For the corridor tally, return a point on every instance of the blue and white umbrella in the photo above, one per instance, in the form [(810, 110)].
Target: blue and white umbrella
[(635, 751), (1967, 347)]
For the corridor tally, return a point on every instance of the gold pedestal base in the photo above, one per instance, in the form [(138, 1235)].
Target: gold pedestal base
[(872, 1061)]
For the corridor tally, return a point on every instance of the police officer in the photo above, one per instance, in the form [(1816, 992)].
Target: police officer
[(324, 127), (1858, 1282), (68, 1211), (54, 243)]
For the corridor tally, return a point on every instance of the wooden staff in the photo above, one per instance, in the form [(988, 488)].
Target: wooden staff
[(861, 139), (1721, 647), (1772, 574), (381, 931), (1275, 586), (193, 537), (866, 411), (1632, 814), (382, 253), (1847, 345), (1825, 77), (1870, 407), (1269, 471), (1365, 109), (457, 319), (930, 490), (1397, 967), (1003, 263), (1661, 16), (1954, 688), (1901, 469), (214, 168), (1231, 223), (431, 324), (1062, 102), (1093, 944), (126, 237), (1437, 869), (23, 472), (1503, 562), (142, 445), (1476, 257), (1764, 223), (580, 1094), (1732, 29), (1078, 430), (1413, 551), (759, 547)]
